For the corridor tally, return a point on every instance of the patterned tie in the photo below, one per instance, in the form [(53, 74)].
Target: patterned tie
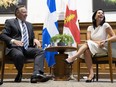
[(25, 37)]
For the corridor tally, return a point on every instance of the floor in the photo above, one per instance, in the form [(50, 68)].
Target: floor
[(51, 83)]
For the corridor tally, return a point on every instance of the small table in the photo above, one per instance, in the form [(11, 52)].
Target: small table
[(61, 70)]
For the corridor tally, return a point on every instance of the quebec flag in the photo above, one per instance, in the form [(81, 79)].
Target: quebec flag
[(50, 29)]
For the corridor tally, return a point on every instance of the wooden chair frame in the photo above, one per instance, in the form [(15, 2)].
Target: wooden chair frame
[(100, 59), (6, 60)]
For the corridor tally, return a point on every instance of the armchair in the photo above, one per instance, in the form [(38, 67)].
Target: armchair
[(6, 60), (100, 59)]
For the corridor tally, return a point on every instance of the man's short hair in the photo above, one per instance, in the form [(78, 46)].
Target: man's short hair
[(17, 8)]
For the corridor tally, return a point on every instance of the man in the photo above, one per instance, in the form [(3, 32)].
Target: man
[(19, 36)]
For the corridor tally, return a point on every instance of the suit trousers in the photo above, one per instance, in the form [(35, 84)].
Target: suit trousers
[(19, 55)]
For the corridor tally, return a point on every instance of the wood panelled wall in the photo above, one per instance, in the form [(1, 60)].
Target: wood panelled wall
[(28, 68)]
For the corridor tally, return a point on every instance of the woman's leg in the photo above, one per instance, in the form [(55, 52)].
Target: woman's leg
[(79, 52), (88, 61)]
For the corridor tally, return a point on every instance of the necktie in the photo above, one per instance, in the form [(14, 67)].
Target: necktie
[(25, 37)]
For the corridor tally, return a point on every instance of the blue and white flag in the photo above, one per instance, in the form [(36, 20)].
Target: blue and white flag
[(50, 29)]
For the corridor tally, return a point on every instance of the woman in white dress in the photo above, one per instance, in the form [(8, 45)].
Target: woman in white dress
[(97, 36)]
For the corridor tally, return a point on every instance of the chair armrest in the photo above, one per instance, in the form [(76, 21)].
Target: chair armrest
[(110, 48), (2, 50)]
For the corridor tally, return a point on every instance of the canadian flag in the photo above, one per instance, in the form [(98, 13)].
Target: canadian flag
[(71, 25)]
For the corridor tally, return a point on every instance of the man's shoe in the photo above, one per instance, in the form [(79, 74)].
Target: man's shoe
[(39, 78), (1, 83), (45, 79), (18, 77), (33, 79)]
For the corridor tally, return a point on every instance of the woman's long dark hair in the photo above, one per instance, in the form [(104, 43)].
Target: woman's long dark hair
[(94, 20)]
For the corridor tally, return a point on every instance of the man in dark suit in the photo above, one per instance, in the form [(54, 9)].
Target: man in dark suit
[(14, 38)]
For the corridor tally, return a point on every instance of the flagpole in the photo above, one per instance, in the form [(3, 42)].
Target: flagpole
[(61, 10)]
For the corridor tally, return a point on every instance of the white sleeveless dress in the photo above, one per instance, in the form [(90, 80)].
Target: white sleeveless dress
[(98, 33)]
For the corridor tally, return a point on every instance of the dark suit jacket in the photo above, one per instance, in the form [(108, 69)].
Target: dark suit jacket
[(12, 31)]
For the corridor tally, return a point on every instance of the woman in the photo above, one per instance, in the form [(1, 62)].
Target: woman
[(96, 41)]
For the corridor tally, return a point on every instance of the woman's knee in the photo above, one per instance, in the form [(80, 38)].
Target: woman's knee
[(86, 46)]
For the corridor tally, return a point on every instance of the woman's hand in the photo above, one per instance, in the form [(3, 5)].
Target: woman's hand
[(100, 43)]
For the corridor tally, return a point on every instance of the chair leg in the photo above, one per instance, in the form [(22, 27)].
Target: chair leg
[(97, 72), (110, 68), (2, 72), (78, 70)]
